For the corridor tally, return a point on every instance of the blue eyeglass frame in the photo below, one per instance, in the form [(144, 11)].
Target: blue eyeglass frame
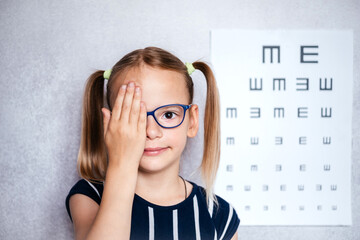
[(185, 107)]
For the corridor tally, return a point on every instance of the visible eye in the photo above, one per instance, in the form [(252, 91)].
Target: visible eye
[(169, 115)]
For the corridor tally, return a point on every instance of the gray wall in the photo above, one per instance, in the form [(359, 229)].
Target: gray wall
[(48, 49)]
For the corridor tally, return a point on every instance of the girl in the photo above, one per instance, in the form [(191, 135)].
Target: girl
[(130, 154)]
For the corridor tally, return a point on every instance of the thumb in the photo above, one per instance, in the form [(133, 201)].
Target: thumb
[(106, 117)]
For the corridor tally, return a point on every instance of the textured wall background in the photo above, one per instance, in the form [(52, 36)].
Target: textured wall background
[(49, 48)]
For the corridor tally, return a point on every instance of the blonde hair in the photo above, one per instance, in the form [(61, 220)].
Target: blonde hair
[(92, 158)]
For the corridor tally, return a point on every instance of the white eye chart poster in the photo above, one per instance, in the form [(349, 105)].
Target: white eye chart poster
[(286, 110)]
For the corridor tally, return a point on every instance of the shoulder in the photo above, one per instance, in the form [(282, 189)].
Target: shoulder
[(223, 215), (85, 187)]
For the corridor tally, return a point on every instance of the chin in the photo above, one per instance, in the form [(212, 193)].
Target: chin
[(148, 164), (153, 164)]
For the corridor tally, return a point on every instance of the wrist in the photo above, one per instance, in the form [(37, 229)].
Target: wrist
[(119, 172), (127, 165)]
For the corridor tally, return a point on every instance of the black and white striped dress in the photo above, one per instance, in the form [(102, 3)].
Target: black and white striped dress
[(189, 219)]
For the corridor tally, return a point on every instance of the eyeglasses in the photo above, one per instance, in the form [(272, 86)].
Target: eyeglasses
[(170, 116)]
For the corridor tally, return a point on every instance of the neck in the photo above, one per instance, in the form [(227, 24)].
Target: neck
[(163, 188)]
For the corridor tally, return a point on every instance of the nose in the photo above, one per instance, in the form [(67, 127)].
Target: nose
[(153, 130)]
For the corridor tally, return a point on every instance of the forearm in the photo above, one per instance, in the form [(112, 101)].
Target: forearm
[(113, 220)]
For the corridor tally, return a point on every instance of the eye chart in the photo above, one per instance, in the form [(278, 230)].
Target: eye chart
[(286, 109)]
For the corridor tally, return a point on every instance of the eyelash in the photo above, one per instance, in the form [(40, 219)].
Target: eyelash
[(170, 112)]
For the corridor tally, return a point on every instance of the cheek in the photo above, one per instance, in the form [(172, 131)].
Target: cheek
[(177, 137)]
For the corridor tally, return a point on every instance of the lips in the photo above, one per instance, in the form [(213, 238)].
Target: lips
[(154, 151)]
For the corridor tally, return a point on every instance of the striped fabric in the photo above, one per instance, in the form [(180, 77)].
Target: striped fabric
[(175, 225), (189, 219)]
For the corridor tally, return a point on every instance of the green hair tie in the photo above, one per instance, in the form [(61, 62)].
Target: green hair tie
[(190, 68), (107, 74)]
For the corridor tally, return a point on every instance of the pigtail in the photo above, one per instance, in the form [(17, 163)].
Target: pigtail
[(211, 152), (92, 157)]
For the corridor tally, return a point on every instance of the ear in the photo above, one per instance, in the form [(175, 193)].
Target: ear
[(194, 121)]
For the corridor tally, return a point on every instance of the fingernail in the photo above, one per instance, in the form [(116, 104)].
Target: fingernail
[(137, 89), (123, 87), (131, 84)]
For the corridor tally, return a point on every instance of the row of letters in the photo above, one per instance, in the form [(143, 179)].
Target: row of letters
[(326, 140), (308, 54), (300, 208), (279, 112), (283, 188), (277, 168), (302, 83)]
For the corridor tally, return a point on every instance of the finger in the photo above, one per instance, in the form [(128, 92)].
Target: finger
[(135, 107), (116, 112), (126, 105), (106, 117), (142, 118)]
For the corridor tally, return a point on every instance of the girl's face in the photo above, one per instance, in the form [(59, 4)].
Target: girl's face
[(161, 87)]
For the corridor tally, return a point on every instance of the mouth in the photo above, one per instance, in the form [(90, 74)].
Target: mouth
[(154, 151)]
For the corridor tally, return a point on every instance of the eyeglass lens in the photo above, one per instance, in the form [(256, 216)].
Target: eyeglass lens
[(169, 116)]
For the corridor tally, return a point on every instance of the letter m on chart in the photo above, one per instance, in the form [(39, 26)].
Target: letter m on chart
[(231, 112), (272, 50)]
